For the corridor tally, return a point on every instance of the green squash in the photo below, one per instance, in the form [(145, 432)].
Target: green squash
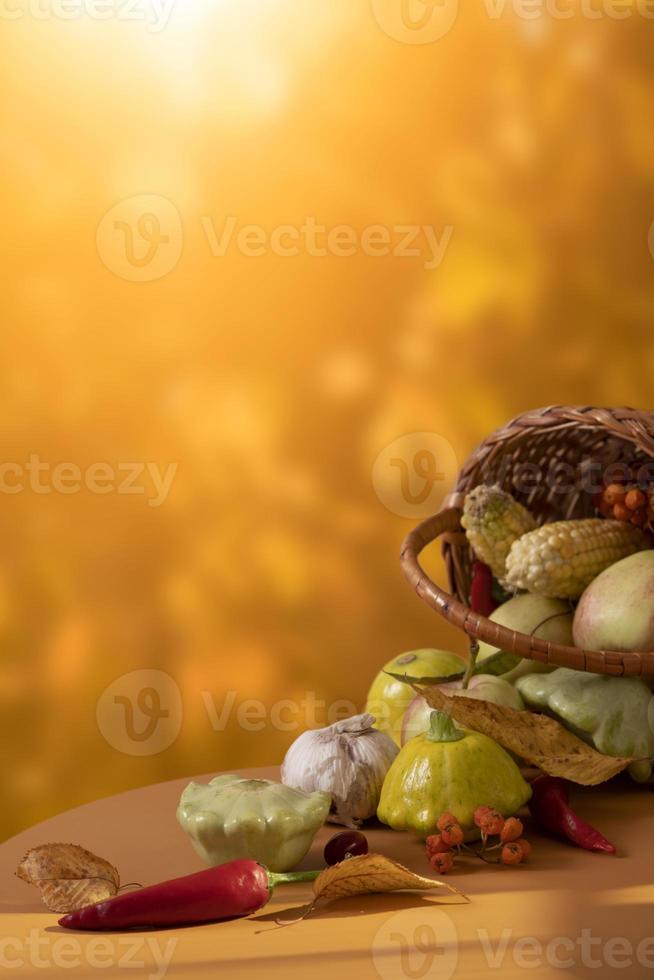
[(614, 714), (232, 817), (449, 770)]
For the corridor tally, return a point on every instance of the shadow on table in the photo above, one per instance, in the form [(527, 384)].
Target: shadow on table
[(368, 904)]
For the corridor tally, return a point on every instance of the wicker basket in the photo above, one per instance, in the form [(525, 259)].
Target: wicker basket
[(551, 460)]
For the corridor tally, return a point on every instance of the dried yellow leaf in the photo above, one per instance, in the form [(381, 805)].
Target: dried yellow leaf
[(537, 739), (369, 873), (68, 876)]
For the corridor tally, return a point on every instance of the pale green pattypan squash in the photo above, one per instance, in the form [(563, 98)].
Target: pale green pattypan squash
[(449, 770), (232, 818), (614, 714)]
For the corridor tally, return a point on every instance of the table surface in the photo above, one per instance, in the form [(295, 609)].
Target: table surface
[(567, 911)]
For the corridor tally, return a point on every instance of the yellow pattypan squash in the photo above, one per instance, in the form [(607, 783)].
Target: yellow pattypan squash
[(449, 770)]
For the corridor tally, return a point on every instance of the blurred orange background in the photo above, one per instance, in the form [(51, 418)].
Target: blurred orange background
[(275, 390)]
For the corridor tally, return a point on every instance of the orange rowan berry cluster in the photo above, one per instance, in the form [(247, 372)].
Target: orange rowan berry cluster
[(443, 848), (514, 848), (628, 496)]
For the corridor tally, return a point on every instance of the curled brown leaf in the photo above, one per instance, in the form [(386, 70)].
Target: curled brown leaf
[(68, 876)]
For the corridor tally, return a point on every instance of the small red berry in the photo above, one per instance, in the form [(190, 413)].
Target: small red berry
[(526, 847), (479, 815), (511, 830), (606, 510), (343, 845), (436, 845), (512, 853), (492, 822), (635, 499), (452, 835), (614, 493), (446, 820), (442, 863)]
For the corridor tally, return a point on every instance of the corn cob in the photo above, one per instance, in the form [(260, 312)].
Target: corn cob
[(493, 520), (559, 560)]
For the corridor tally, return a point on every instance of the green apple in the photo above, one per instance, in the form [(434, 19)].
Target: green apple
[(388, 698), (548, 619)]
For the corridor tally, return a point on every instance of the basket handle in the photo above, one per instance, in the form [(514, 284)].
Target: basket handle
[(481, 628)]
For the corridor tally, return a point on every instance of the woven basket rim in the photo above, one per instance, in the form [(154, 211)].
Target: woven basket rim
[(478, 627)]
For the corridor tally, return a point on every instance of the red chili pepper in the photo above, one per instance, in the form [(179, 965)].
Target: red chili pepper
[(549, 806), (481, 589), (228, 891)]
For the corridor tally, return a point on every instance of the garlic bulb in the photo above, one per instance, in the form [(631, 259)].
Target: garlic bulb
[(348, 760)]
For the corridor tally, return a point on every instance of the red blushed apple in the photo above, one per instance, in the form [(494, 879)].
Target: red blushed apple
[(483, 687), (616, 612)]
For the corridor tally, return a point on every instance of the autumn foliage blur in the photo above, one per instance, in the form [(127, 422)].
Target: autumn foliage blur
[(274, 382)]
